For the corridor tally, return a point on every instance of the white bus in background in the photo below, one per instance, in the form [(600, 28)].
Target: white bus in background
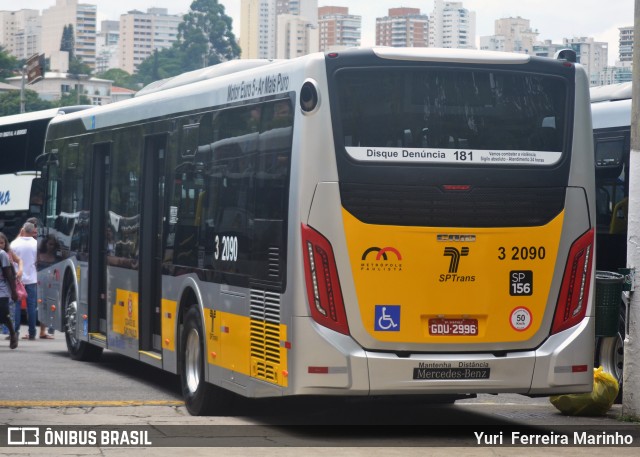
[(21, 141), (611, 118)]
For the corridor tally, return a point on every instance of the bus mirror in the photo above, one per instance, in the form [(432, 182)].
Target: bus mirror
[(46, 158), (566, 54)]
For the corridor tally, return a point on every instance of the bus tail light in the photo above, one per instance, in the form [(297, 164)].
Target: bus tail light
[(574, 292), (323, 284)]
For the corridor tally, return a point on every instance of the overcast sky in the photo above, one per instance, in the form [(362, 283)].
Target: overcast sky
[(553, 19)]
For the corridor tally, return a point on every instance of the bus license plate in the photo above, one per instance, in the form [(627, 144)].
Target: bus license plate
[(447, 327)]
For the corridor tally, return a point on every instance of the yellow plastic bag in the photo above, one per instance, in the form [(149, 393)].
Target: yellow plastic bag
[(596, 403)]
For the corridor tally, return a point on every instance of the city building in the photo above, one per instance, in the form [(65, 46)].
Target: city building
[(296, 36), (452, 26), (21, 32), (510, 35), (592, 55), (622, 71), (403, 27), (82, 17), (547, 49), (262, 37), (625, 50), (107, 46), (258, 25), (121, 93), (143, 33), (56, 84), (337, 28)]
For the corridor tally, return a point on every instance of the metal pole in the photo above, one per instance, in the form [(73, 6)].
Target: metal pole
[(631, 369), (22, 96)]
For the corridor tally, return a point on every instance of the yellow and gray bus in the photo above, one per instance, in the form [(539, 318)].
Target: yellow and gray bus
[(371, 222)]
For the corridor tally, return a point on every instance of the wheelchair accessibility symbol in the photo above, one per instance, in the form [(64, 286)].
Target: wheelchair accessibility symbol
[(387, 318)]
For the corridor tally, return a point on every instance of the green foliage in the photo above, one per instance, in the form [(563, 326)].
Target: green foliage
[(78, 67), (205, 38), (160, 65), (71, 98), (10, 102), (68, 41), (9, 65), (120, 78)]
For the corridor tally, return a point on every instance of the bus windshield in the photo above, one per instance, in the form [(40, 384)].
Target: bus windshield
[(439, 109)]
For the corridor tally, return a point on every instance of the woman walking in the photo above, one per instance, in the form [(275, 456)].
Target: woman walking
[(7, 292)]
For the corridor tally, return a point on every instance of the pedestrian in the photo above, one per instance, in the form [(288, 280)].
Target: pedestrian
[(17, 268), (7, 293), (26, 247)]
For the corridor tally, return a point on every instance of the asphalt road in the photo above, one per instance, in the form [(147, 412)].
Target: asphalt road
[(42, 387)]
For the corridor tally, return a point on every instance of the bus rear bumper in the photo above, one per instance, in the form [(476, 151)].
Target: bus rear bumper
[(562, 364)]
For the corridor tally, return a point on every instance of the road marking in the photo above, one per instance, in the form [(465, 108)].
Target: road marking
[(85, 403)]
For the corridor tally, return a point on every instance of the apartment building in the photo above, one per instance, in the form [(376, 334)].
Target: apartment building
[(625, 50), (452, 26), (21, 32), (295, 36), (592, 55), (258, 25), (511, 35), (403, 27), (263, 36), (337, 28), (107, 46), (142, 33), (82, 17)]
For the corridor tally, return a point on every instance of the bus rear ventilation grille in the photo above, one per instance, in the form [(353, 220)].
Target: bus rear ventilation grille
[(430, 206)]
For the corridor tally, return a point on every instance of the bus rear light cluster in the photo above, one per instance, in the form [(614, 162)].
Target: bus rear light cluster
[(323, 285), (574, 292)]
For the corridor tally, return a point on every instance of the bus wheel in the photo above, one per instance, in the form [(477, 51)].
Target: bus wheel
[(78, 350), (200, 397), (610, 353)]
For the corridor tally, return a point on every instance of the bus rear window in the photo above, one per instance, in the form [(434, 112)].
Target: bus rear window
[(452, 109)]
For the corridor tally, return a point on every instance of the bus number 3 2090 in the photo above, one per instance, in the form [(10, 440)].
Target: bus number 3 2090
[(229, 248), (523, 253)]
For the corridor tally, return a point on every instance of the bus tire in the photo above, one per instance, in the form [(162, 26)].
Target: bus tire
[(610, 353), (78, 350), (200, 397)]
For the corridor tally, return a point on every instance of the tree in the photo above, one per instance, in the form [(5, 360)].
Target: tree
[(8, 64), (205, 38), (205, 35), (78, 67), (71, 98), (160, 65), (68, 41), (10, 102), (120, 78)]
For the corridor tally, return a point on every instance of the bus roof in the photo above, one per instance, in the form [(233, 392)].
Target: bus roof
[(450, 55), (620, 91), (196, 89), (40, 115), (616, 113), (214, 71)]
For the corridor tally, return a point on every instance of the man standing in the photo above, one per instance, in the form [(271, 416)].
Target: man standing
[(26, 247)]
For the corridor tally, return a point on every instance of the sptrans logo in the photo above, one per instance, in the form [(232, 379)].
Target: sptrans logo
[(455, 255), (381, 259)]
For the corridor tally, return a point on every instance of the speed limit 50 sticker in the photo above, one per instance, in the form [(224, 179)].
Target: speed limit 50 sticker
[(520, 319)]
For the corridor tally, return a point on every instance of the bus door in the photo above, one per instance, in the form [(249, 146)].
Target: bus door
[(97, 223), (149, 269)]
